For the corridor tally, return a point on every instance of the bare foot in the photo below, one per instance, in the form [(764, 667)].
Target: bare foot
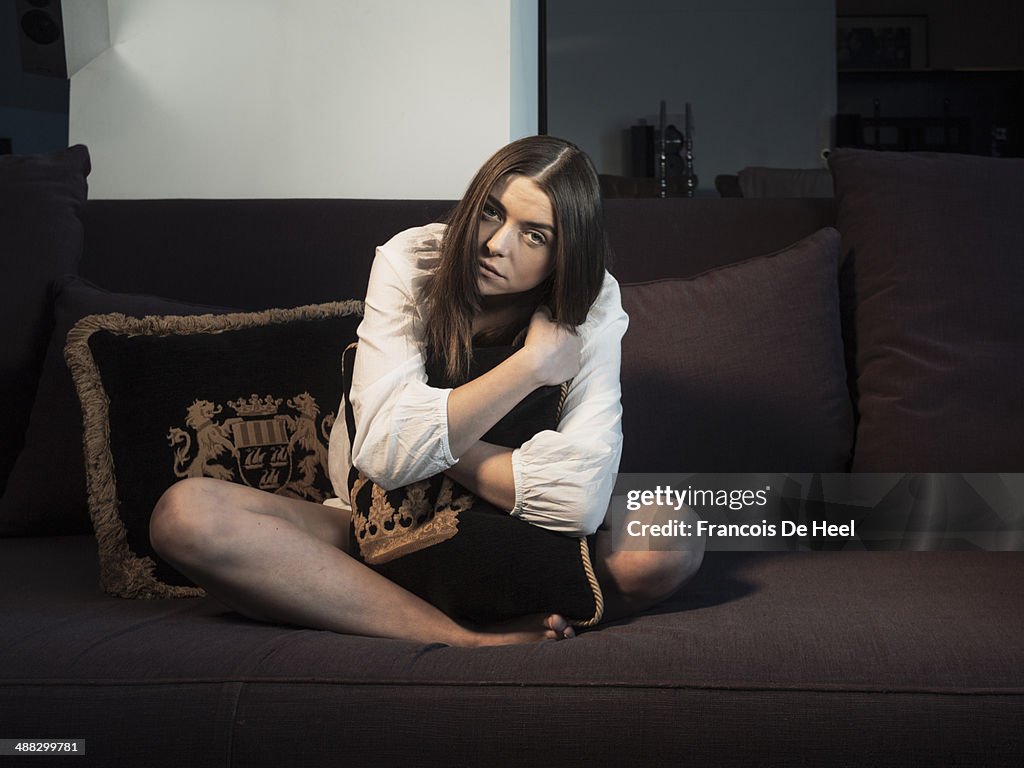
[(526, 629)]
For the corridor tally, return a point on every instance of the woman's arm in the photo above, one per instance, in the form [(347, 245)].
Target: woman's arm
[(400, 422), (562, 480), (407, 430), (550, 355), (486, 470)]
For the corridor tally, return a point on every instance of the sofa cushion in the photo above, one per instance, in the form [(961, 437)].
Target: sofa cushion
[(936, 245), (41, 197), (39, 499), (244, 397), (739, 369), (683, 237), (901, 659)]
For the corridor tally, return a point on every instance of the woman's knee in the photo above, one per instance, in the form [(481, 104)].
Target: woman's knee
[(661, 574), (652, 568), (186, 522)]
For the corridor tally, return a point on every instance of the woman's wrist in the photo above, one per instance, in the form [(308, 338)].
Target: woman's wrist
[(530, 366), (486, 470)]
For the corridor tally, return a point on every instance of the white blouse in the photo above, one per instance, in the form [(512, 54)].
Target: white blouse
[(563, 479)]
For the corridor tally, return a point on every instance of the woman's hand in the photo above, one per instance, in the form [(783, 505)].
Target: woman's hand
[(555, 352)]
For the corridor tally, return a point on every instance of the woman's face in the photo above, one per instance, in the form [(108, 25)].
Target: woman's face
[(516, 238)]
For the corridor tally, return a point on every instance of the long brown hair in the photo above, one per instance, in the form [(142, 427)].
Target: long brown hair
[(452, 295)]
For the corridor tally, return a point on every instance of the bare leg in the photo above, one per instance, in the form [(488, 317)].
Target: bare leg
[(282, 560), (637, 573)]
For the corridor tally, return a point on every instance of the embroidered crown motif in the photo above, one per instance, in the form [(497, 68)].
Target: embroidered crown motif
[(255, 405)]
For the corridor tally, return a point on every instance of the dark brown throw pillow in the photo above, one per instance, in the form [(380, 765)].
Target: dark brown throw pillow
[(936, 246), (462, 554), (41, 198), (739, 369), (45, 493), (244, 397)]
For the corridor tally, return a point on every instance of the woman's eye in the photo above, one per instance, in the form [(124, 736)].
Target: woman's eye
[(491, 213), (536, 238)]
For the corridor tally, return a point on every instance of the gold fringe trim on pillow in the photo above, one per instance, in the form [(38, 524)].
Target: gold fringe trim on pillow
[(122, 572)]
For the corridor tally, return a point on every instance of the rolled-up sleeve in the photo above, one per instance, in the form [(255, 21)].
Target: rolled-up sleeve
[(564, 478), (401, 423)]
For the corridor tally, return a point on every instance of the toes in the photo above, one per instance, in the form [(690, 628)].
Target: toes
[(559, 626), (556, 623)]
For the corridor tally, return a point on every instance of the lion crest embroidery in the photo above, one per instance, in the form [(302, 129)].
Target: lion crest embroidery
[(284, 453)]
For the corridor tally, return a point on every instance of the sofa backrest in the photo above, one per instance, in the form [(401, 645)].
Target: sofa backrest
[(244, 254), (253, 254)]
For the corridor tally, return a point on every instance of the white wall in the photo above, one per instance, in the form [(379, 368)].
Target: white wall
[(318, 98), (760, 76)]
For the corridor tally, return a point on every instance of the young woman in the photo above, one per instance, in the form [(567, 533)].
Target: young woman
[(522, 258)]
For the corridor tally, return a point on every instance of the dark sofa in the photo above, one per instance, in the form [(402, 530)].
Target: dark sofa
[(872, 655)]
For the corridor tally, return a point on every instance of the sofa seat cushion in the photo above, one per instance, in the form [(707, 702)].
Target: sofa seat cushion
[(851, 658), (739, 369), (936, 247)]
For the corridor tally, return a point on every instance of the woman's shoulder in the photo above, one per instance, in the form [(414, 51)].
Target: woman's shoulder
[(607, 307), (414, 243), (413, 254)]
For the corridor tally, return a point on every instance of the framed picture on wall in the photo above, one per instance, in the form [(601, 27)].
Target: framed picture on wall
[(881, 42)]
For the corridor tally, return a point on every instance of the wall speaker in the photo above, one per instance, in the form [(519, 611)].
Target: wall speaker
[(59, 37)]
